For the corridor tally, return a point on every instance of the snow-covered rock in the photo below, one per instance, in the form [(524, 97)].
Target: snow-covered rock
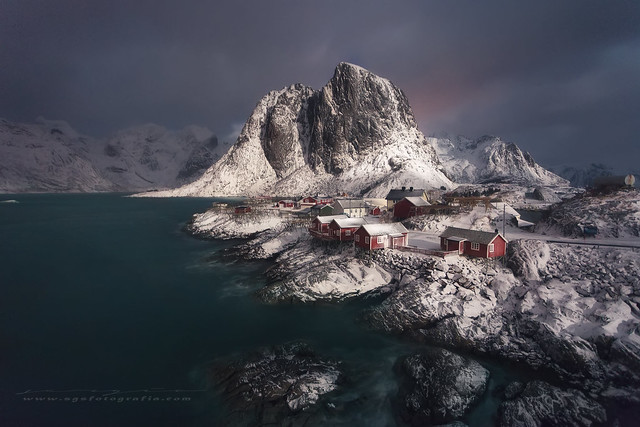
[(440, 386), (615, 214), (541, 404), (274, 384)]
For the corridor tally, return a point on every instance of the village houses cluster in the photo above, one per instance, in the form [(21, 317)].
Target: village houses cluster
[(370, 227)]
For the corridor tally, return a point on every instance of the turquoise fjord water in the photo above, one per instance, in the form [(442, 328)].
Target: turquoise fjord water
[(104, 292)]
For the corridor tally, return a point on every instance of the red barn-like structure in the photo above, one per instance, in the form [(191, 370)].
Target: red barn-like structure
[(343, 229), (380, 236), (319, 227), (483, 244), (409, 207)]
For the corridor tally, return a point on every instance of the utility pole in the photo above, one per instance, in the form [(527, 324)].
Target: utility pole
[(504, 209)]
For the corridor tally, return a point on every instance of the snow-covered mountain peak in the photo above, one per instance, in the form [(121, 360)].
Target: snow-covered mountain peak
[(490, 159), (298, 140)]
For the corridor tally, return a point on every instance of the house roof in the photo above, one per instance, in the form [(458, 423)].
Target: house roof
[(349, 222), (328, 218), (351, 203), (399, 194), (474, 236), (387, 228), (417, 201)]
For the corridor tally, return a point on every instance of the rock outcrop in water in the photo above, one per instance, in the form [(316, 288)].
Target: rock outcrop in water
[(439, 386), (275, 384), (541, 404)]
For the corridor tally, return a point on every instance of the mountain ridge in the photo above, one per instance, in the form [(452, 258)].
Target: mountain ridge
[(51, 156)]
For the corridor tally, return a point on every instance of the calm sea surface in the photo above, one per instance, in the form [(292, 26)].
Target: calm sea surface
[(104, 292)]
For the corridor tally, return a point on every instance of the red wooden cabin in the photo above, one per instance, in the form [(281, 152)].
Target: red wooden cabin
[(319, 227), (409, 207), (483, 244), (343, 229), (380, 236)]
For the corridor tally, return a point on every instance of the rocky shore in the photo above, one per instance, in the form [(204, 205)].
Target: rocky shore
[(571, 314)]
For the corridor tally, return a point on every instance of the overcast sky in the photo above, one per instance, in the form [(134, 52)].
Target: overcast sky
[(559, 78)]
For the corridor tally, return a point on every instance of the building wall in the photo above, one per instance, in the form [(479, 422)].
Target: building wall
[(500, 247)]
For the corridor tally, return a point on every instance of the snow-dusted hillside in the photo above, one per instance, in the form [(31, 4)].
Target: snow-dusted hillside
[(489, 159), (50, 156), (357, 135), (151, 156), (47, 156)]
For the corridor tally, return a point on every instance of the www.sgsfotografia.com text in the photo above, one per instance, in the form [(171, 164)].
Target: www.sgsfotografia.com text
[(107, 396)]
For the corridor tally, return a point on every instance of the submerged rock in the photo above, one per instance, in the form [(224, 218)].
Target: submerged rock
[(541, 404), (275, 384), (440, 386)]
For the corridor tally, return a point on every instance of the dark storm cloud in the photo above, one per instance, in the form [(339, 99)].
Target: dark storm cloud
[(558, 78)]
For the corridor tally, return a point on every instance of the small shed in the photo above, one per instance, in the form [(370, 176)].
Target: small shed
[(483, 244), (343, 229), (409, 207), (375, 210), (286, 204), (380, 236), (242, 209), (320, 199)]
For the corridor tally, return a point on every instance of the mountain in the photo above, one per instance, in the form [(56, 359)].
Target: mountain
[(150, 156), (489, 159), (357, 135), (46, 156), (583, 177), (50, 156)]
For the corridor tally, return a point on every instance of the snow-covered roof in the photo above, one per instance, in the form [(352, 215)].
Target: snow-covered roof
[(351, 203), (417, 201), (349, 222), (474, 236), (399, 194), (328, 218), (388, 228), (506, 208)]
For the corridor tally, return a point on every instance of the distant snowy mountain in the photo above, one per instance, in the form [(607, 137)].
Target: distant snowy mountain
[(47, 156), (50, 156), (357, 134), (489, 159), (583, 177), (151, 156)]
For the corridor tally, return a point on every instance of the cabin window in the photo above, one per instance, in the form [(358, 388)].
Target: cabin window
[(366, 239), (491, 247), (475, 246), (357, 237), (380, 239), (347, 232)]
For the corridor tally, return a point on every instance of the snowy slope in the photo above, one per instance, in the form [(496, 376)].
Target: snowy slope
[(50, 156), (150, 156), (489, 159), (47, 156), (357, 134)]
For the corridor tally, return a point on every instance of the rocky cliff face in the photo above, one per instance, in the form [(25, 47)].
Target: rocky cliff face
[(489, 159), (357, 134)]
